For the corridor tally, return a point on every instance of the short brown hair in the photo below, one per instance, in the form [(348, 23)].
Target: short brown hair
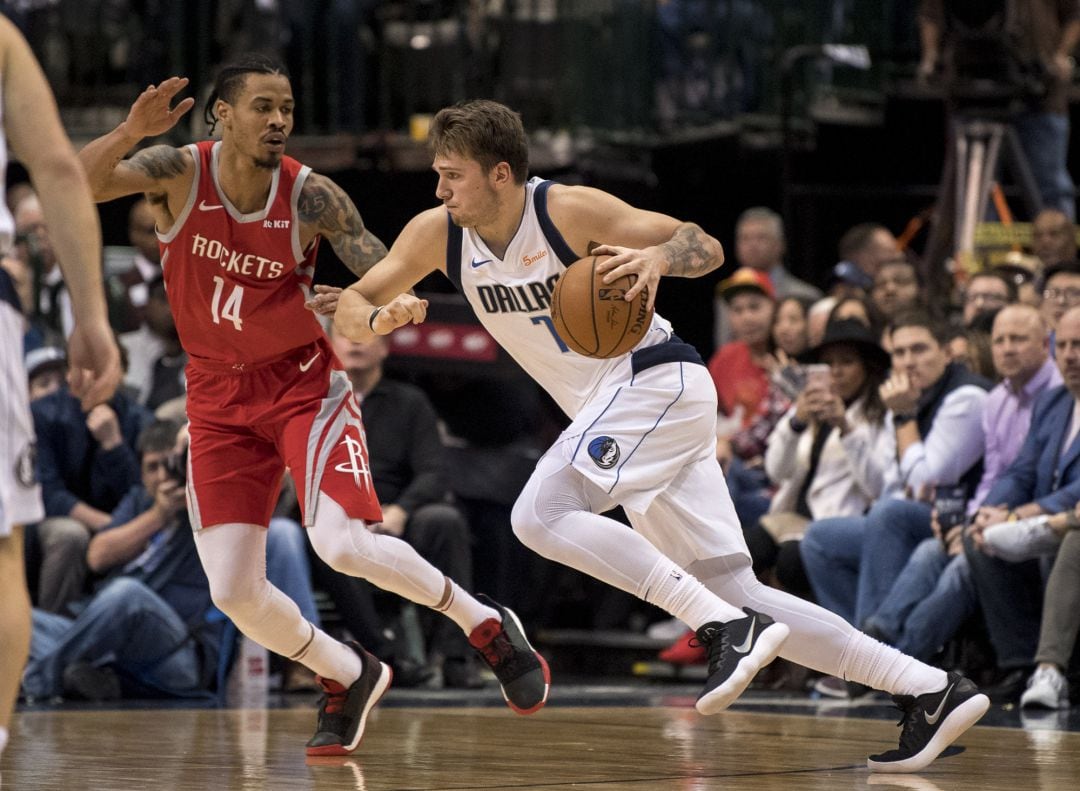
[(483, 130)]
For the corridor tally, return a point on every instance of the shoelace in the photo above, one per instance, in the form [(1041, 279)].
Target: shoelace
[(333, 702), (907, 721), (499, 651), (716, 648)]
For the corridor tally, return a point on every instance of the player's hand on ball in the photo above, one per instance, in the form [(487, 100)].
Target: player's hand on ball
[(152, 113), (645, 266), (325, 300), (401, 310)]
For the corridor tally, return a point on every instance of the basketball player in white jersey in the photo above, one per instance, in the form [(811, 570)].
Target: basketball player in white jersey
[(643, 427), (31, 127)]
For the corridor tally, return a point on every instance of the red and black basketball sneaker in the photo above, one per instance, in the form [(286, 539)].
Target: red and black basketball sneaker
[(343, 710), (523, 674)]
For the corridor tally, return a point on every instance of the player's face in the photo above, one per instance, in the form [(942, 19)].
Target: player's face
[(466, 190), (259, 122)]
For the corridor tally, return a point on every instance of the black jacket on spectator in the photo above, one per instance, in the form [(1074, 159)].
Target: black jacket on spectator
[(930, 401), (71, 465), (404, 446)]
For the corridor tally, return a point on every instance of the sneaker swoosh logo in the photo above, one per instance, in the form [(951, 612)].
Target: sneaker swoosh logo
[(204, 206), (309, 363), (931, 719), (476, 263), (743, 647)]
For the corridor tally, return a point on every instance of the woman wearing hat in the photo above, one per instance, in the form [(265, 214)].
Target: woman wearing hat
[(828, 455)]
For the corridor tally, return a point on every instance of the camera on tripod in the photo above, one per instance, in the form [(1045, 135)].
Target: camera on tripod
[(988, 73)]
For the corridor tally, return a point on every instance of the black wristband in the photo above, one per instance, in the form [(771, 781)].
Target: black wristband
[(797, 425), (900, 418), (371, 318)]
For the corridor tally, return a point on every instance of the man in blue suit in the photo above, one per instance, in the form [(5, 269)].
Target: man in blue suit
[(1044, 479)]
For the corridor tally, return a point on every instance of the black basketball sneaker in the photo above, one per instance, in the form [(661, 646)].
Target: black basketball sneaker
[(737, 650)]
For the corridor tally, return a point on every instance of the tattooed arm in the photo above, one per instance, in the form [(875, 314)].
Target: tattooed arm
[(644, 244), (325, 209), (691, 252), (157, 171)]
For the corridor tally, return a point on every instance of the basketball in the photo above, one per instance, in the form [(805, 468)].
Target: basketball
[(593, 318)]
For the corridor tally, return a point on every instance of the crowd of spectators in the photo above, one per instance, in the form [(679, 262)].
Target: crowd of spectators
[(853, 419)]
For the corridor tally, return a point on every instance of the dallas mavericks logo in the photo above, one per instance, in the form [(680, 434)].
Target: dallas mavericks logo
[(357, 463), (26, 466), (604, 452)]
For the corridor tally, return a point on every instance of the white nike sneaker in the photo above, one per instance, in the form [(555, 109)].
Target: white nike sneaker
[(1024, 539), (930, 723), (1047, 688), (737, 651)]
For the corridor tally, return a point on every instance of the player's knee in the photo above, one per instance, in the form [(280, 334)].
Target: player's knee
[(237, 595)]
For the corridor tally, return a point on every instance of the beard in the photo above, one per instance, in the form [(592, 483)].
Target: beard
[(268, 162)]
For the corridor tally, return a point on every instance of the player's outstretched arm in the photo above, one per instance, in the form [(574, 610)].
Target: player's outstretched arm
[(380, 302), (36, 136), (151, 170), (325, 208)]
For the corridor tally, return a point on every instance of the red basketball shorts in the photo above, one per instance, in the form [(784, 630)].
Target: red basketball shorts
[(248, 424)]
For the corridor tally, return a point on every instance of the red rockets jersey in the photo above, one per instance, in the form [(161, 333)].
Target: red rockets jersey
[(237, 282)]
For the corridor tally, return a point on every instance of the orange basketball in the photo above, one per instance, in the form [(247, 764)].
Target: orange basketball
[(593, 318)]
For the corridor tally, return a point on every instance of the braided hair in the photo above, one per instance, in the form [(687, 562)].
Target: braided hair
[(230, 81)]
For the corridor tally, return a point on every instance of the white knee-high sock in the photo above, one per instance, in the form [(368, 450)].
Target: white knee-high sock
[(820, 640), (349, 547), (558, 516), (234, 558)]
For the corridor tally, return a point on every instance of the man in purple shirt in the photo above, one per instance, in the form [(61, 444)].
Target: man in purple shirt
[(934, 593)]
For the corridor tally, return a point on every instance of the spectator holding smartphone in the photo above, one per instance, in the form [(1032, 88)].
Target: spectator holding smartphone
[(828, 455)]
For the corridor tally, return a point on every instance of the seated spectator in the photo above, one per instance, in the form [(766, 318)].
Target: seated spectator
[(789, 328), (817, 318), (52, 304), (934, 594), (46, 371), (150, 628), (128, 289), (848, 280), (1044, 479), (896, 289), (1025, 273), (760, 248), (970, 346), (1031, 539), (86, 463), (986, 292), (157, 361), (935, 419), (407, 468), (868, 245), (749, 398), (828, 453), (1053, 237), (1061, 291), (862, 310)]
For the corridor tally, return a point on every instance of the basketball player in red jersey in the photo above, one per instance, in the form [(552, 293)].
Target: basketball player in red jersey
[(239, 223)]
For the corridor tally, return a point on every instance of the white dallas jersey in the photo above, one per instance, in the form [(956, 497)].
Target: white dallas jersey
[(512, 298)]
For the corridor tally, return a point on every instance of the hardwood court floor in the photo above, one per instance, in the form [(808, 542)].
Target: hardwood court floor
[(465, 748)]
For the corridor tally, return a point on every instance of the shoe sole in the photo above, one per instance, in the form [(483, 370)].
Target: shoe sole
[(543, 666), (386, 677), (962, 717), (765, 650), (1043, 703)]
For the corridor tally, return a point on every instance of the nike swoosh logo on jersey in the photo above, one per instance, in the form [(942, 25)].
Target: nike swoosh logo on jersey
[(744, 647), (931, 719), (476, 263), (309, 363), (204, 206)]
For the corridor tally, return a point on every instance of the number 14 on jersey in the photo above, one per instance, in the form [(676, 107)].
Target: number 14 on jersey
[(230, 310)]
